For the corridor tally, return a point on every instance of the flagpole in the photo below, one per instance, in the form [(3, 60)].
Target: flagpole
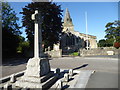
[(86, 30)]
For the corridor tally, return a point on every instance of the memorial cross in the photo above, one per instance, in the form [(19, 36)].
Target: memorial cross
[(37, 34)]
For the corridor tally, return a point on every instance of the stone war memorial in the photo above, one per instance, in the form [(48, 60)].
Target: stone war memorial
[(36, 66), (38, 73)]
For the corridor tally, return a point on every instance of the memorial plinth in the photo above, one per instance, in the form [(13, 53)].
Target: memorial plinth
[(36, 69)]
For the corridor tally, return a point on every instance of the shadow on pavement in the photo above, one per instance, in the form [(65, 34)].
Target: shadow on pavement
[(84, 65)]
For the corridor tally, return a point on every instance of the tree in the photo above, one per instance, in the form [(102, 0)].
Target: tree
[(23, 46), (51, 25), (102, 43), (10, 31), (113, 32)]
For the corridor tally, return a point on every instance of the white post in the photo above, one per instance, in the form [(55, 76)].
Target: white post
[(86, 30)]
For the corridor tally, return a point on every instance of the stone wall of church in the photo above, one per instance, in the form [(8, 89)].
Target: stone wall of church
[(93, 43), (71, 42)]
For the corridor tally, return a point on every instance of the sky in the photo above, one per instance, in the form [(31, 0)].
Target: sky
[(98, 15)]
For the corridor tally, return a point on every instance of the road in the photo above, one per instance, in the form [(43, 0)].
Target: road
[(106, 75)]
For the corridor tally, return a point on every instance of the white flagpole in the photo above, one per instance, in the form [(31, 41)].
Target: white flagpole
[(86, 30)]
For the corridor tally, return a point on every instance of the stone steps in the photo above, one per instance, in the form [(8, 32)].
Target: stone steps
[(45, 81), (46, 77), (50, 82)]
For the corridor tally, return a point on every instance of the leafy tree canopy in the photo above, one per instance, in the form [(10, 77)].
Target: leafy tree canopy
[(51, 25), (9, 19), (113, 31), (102, 43), (105, 43), (10, 30)]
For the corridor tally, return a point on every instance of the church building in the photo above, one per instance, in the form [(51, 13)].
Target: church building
[(74, 40)]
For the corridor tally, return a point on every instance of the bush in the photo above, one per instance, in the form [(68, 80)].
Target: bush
[(75, 54), (117, 45), (23, 46)]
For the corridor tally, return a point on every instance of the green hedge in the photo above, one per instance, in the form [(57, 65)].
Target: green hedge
[(75, 54)]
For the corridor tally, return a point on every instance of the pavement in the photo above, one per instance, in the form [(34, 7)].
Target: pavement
[(106, 69), (103, 80)]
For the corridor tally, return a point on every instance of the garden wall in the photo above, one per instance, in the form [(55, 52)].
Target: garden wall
[(98, 51)]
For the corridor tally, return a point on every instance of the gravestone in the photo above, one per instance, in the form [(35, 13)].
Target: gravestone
[(12, 78), (56, 47), (49, 48), (71, 73), (57, 70), (36, 66), (59, 84), (66, 77)]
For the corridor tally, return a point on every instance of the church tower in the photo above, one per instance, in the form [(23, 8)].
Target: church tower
[(67, 25)]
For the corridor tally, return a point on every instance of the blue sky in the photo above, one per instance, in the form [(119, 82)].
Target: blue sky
[(98, 14)]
